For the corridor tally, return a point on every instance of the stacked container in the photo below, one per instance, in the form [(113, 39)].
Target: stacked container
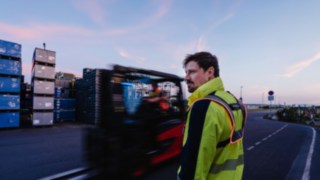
[(64, 101), (42, 84), (25, 104), (10, 82), (91, 95)]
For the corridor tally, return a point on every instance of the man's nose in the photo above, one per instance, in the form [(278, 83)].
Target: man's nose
[(186, 77)]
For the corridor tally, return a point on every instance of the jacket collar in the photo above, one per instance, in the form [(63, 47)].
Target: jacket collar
[(205, 89)]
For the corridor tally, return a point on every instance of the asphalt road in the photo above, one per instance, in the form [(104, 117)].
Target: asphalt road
[(273, 150), (279, 150), (38, 152)]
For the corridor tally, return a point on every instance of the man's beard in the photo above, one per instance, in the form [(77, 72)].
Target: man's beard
[(191, 88)]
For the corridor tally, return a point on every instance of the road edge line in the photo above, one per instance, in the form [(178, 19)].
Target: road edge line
[(306, 173)]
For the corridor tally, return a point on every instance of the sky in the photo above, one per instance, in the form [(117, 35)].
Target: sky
[(261, 45)]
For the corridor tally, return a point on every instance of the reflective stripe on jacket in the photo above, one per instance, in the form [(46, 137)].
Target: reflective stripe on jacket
[(208, 123)]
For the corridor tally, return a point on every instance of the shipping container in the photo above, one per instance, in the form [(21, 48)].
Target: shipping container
[(42, 103), (9, 102), (44, 56), (62, 103), (66, 76), (10, 84), (42, 118), (64, 115), (60, 92), (10, 49), (42, 71), (43, 87), (65, 83), (9, 119), (10, 67), (92, 95), (26, 96)]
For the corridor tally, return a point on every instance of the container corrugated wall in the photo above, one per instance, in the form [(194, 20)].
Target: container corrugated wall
[(64, 100), (10, 84), (91, 95), (42, 82)]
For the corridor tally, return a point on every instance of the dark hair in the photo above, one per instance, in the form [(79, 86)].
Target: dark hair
[(204, 60)]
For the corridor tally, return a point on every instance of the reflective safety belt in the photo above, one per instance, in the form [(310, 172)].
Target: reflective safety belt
[(235, 136), (230, 164)]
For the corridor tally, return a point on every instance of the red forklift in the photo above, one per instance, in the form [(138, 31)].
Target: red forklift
[(141, 123)]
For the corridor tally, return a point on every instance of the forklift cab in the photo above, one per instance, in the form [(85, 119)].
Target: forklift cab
[(142, 125)]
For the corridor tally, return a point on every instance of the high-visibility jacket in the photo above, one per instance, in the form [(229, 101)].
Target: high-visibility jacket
[(211, 149)]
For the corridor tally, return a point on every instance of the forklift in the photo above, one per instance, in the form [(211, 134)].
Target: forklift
[(141, 124)]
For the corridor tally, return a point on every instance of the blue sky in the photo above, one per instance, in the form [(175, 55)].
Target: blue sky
[(261, 45)]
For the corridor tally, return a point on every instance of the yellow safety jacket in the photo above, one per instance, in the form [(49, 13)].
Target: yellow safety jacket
[(212, 142)]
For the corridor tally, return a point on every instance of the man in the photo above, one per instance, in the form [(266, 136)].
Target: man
[(212, 143)]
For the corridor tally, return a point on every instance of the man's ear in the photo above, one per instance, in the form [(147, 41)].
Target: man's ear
[(210, 72)]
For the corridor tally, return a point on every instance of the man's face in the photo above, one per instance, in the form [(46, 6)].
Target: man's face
[(196, 76)]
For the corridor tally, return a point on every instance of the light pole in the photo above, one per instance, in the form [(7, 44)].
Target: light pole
[(241, 93)]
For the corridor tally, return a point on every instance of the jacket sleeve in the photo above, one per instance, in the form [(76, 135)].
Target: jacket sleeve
[(198, 146)]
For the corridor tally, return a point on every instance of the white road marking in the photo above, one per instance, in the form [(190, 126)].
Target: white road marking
[(59, 175), (269, 136), (306, 173)]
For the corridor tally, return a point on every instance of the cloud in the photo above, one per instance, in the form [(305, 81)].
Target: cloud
[(201, 45), (123, 53), (39, 31), (299, 66), (218, 23), (162, 11), (93, 9), (155, 17)]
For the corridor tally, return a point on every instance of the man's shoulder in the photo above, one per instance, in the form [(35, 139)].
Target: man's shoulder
[(201, 104)]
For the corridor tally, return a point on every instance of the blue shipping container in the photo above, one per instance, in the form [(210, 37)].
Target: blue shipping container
[(9, 119), (9, 84), (69, 103), (10, 67), (9, 102), (64, 115), (61, 92), (10, 49)]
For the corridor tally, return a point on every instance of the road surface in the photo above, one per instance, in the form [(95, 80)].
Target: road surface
[(273, 150)]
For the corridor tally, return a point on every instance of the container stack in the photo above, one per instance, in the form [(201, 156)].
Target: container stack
[(64, 100), (25, 104), (42, 84), (92, 95), (10, 84)]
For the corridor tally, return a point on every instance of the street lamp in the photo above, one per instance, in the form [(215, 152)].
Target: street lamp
[(241, 93)]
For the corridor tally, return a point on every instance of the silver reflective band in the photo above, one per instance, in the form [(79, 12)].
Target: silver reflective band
[(230, 164)]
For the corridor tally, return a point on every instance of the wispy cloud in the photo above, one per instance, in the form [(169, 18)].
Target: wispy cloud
[(219, 22), (93, 9), (144, 23), (125, 54), (201, 45), (299, 66), (36, 31), (161, 11)]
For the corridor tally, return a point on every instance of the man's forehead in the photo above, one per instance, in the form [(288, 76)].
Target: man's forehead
[(192, 65)]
